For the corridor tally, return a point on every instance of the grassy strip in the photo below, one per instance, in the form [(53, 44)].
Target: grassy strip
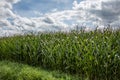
[(94, 54), (16, 71)]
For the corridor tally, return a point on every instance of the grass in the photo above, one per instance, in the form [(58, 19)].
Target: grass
[(94, 55), (17, 71)]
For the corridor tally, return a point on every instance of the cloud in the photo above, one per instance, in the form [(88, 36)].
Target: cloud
[(11, 22), (61, 1), (12, 1), (101, 11), (5, 13), (110, 11), (37, 13), (5, 4), (87, 12)]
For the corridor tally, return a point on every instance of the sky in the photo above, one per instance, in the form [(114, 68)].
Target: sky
[(23, 16)]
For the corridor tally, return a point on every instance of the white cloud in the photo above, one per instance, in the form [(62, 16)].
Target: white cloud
[(87, 12), (54, 10), (22, 24), (5, 4), (12, 1), (37, 13), (101, 11), (6, 13), (61, 1)]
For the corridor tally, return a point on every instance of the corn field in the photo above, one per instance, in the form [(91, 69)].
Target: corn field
[(94, 54)]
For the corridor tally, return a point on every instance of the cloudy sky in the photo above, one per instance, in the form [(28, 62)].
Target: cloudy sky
[(22, 16)]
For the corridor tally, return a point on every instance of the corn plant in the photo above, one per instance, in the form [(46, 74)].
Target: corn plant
[(94, 54)]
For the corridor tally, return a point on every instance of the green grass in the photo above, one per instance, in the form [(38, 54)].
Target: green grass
[(17, 71), (94, 55)]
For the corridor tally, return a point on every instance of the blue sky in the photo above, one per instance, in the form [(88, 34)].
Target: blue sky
[(21, 16), (27, 7)]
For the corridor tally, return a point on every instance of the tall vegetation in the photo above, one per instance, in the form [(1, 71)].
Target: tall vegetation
[(94, 54)]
